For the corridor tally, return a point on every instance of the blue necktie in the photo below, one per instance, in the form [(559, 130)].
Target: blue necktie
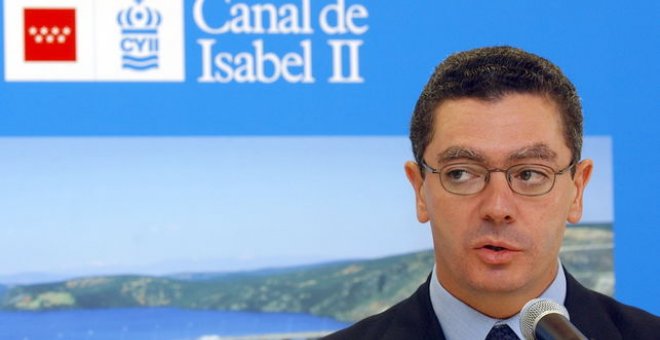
[(501, 332)]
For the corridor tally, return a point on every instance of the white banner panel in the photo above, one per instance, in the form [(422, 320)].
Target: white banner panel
[(82, 40)]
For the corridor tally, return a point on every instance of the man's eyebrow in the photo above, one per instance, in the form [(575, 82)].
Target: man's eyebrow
[(537, 151), (459, 152)]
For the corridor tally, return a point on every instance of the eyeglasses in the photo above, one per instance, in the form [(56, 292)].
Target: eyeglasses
[(523, 179)]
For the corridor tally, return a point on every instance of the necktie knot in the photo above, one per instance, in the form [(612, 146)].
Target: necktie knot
[(501, 332)]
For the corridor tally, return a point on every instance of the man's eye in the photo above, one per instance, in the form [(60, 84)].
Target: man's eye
[(456, 174), (460, 175), (531, 175), (526, 175)]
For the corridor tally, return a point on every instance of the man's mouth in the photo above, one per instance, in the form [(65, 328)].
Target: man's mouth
[(494, 248), (497, 253)]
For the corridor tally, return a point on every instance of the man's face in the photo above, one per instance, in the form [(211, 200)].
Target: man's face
[(497, 241)]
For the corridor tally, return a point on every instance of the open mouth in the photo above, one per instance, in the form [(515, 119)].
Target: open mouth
[(495, 253)]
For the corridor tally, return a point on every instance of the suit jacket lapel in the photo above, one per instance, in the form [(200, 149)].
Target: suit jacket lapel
[(587, 313)]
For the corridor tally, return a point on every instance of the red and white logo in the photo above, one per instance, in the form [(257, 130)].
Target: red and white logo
[(50, 34), (81, 40)]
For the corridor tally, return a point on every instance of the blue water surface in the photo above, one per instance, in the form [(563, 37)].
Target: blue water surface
[(153, 323)]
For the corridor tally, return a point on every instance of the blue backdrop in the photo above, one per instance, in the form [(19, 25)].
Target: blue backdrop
[(608, 48)]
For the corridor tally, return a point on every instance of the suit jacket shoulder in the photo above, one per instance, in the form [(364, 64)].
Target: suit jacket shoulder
[(598, 316), (412, 318), (601, 317)]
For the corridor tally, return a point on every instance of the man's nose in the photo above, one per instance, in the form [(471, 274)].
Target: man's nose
[(497, 201)]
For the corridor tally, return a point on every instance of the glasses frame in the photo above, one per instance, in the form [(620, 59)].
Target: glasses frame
[(506, 173)]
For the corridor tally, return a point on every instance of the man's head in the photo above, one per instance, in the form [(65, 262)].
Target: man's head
[(497, 132), (488, 74)]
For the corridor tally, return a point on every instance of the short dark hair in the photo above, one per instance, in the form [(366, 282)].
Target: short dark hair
[(489, 73)]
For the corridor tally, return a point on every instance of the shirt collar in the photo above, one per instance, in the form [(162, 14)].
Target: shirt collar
[(460, 321)]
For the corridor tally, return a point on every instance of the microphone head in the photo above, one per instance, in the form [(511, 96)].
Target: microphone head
[(533, 311)]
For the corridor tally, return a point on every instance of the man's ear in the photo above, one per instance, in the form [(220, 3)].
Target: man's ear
[(417, 182), (582, 175)]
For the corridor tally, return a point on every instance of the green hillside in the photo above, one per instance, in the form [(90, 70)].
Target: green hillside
[(345, 291)]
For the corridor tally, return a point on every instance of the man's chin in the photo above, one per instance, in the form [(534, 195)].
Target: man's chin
[(502, 281)]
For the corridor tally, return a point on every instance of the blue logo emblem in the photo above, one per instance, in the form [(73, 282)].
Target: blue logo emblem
[(139, 43)]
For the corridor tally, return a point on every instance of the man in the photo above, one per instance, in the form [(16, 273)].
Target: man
[(497, 137)]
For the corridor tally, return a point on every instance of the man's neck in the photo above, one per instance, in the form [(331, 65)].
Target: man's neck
[(499, 304), (461, 321)]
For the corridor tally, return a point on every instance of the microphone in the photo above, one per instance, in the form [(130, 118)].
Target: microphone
[(544, 319)]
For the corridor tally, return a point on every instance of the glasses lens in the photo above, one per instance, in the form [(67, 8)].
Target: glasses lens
[(531, 179), (463, 179)]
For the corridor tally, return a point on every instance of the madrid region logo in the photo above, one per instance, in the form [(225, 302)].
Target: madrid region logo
[(139, 42), (50, 34)]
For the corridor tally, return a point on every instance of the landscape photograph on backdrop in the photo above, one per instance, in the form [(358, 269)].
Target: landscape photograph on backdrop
[(208, 237)]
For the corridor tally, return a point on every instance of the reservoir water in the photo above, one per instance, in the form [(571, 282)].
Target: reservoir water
[(154, 323)]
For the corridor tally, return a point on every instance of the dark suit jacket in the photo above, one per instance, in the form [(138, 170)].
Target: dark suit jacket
[(596, 315)]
